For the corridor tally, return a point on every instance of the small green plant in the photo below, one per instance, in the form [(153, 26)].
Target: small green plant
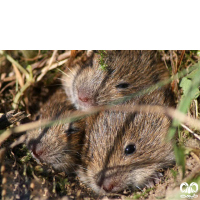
[(102, 53), (190, 85), (186, 84), (180, 157), (190, 91), (174, 173), (26, 158), (143, 194)]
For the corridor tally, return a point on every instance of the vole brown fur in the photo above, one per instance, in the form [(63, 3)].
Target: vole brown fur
[(124, 150), (105, 167), (58, 146), (127, 72)]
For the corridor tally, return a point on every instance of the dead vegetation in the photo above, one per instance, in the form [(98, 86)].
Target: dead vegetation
[(28, 78)]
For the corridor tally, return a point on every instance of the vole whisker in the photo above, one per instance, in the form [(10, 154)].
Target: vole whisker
[(71, 71), (62, 79)]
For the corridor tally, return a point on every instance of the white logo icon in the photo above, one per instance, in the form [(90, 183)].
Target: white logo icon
[(189, 190)]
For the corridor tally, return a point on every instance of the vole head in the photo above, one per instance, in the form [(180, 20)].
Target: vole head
[(127, 72), (124, 150), (58, 146)]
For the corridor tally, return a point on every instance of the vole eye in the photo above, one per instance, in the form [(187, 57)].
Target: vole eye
[(122, 85), (130, 149), (71, 130)]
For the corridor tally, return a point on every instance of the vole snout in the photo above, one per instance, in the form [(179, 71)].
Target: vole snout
[(108, 183), (85, 99), (37, 150)]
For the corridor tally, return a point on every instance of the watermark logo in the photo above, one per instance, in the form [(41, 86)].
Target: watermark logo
[(189, 190)]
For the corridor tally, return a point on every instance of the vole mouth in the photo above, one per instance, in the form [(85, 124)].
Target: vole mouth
[(108, 181), (154, 179), (85, 105), (50, 162), (37, 159)]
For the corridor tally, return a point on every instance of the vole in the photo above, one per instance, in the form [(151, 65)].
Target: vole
[(126, 73), (58, 146), (124, 150)]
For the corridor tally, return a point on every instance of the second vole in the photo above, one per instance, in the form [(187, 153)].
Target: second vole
[(126, 73)]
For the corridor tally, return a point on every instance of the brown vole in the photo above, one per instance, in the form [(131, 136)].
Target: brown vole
[(124, 150), (127, 72), (58, 146)]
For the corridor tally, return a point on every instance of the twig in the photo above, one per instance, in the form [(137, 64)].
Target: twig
[(181, 58), (174, 71), (46, 69), (61, 57), (189, 58), (196, 108), (8, 79), (46, 61), (2, 77), (171, 112), (9, 84), (172, 62), (192, 174), (8, 57), (19, 94), (39, 64), (11, 117), (195, 157), (64, 56), (53, 66), (2, 155), (18, 76), (32, 59), (193, 133), (19, 141)]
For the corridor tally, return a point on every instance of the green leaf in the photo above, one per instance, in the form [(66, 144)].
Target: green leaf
[(180, 157), (190, 92), (101, 60), (185, 84), (192, 74)]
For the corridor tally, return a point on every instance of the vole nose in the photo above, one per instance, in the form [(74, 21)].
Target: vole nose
[(86, 100), (37, 150), (83, 97), (108, 184)]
